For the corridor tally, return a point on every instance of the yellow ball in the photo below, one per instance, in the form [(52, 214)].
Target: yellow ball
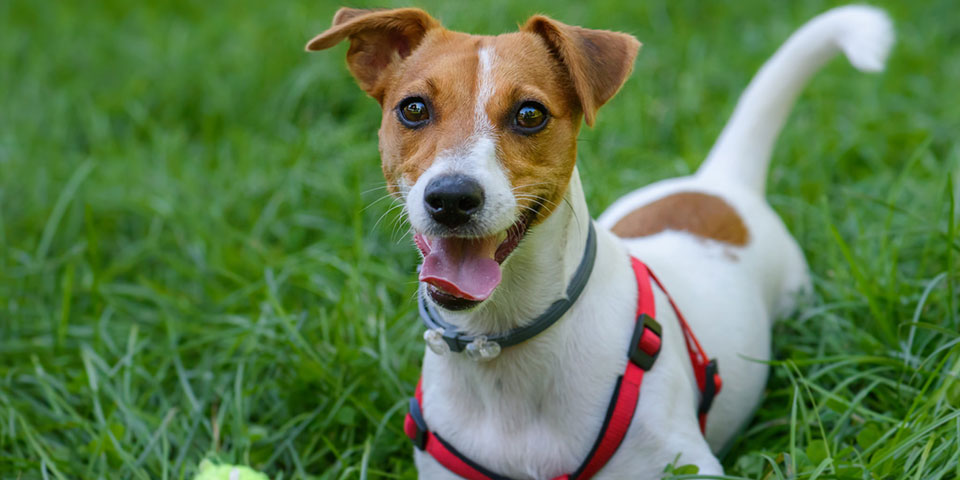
[(209, 471)]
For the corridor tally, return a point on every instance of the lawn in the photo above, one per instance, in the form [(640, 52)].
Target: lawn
[(194, 262)]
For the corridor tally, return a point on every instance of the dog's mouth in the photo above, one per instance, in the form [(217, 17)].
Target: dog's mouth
[(461, 272)]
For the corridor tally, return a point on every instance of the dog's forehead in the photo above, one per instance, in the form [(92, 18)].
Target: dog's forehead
[(524, 51), (442, 51), (450, 64)]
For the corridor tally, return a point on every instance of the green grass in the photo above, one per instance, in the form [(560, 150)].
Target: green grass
[(191, 266)]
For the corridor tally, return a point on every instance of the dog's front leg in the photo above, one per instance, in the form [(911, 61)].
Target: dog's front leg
[(429, 469)]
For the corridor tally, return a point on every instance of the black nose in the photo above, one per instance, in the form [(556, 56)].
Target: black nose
[(452, 199)]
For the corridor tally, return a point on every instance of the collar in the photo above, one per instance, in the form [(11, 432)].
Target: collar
[(443, 337)]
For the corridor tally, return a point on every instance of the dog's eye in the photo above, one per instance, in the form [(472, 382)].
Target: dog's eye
[(531, 117), (413, 112)]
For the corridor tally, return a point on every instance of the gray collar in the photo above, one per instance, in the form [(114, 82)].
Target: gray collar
[(488, 346)]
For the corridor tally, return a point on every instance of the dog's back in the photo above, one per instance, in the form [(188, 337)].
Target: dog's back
[(723, 252)]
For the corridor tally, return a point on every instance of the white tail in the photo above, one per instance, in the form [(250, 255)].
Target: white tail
[(742, 152)]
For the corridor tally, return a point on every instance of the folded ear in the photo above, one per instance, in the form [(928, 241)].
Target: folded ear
[(599, 61), (379, 40)]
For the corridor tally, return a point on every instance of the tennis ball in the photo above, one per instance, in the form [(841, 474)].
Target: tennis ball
[(209, 471)]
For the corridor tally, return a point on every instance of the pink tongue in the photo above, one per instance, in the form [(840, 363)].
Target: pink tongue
[(464, 267)]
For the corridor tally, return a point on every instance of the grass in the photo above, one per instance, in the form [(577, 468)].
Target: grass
[(191, 266)]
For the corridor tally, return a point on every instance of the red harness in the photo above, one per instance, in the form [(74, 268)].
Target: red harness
[(643, 350)]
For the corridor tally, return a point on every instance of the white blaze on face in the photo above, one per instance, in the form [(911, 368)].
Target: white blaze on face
[(482, 126), (499, 211), (476, 157)]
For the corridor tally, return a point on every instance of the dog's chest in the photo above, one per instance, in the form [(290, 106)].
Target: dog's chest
[(532, 430), (539, 440), (537, 415)]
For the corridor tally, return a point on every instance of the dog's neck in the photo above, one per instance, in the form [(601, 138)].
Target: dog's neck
[(537, 273), (551, 382)]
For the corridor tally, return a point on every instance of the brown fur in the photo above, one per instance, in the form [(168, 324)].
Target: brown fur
[(701, 214), (572, 71), (379, 41)]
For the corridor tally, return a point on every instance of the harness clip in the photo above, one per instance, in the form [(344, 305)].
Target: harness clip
[(645, 343), (711, 386), (414, 426)]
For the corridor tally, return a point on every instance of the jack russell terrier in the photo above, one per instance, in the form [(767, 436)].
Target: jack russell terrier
[(545, 360)]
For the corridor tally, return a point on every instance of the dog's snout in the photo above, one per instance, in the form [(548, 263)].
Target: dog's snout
[(452, 199)]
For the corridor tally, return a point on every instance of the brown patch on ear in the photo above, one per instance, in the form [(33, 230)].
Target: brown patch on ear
[(701, 214), (379, 40), (599, 61)]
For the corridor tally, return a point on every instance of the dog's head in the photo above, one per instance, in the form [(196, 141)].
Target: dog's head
[(479, 133)]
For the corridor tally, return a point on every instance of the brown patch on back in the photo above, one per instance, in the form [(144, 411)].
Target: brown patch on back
[(700, 214)]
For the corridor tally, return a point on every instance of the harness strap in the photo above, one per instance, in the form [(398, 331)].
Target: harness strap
[(642, 353), (704, 369)]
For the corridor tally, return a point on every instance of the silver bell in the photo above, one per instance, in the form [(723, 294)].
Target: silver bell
[(482, 350), (434, 339)]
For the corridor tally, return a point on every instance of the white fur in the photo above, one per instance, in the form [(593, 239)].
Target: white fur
[(482, 126), (535, 411)]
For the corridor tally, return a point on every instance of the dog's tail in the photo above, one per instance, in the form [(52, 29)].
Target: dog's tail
[(742, 153)]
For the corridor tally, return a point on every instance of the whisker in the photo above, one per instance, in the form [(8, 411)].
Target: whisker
[(537, 198), (402, 231), (383, 186), (574, 210), (530, 209), (371, 204), (398, 224), (378, 187), (398, 220), (382, 216), (403, 237)]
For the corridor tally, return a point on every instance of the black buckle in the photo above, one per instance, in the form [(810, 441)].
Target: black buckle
[(452, 337), (637, 356), (709, 387), (420, 439)]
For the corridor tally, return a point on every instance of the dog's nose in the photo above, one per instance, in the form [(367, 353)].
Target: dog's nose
[(452, 199)]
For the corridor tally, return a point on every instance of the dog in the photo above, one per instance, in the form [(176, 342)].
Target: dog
[(478, 139)]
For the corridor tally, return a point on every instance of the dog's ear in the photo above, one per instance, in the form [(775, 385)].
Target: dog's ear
[(379, 41), (599, 61)]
